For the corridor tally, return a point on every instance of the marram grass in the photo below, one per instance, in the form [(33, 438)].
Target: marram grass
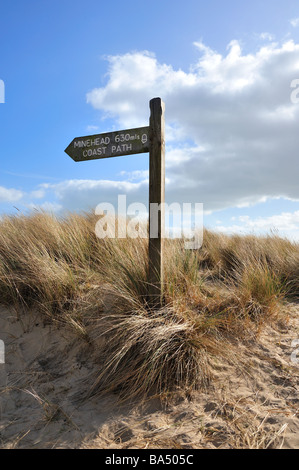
[(228, 288)]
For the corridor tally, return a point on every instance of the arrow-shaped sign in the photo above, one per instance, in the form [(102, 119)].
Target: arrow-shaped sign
[(111, 144)]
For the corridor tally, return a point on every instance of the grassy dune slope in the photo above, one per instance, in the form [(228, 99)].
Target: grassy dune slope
[(227, 290)]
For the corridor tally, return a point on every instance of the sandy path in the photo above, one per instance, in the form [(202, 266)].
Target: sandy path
[(48, 370)]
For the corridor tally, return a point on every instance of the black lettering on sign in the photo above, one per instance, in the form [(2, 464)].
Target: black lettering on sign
[(111, 144)]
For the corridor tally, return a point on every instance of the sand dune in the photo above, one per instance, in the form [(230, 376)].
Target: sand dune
[(48, 371)]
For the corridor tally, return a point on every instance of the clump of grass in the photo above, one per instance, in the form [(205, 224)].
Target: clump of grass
[(225, 289), (151, 353)]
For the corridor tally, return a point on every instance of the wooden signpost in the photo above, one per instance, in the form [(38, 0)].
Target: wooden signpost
[(128, 142)]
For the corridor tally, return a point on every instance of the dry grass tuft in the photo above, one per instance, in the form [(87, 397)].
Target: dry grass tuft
[(224, 291)]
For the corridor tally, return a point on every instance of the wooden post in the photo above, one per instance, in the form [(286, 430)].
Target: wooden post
[(156, 200)]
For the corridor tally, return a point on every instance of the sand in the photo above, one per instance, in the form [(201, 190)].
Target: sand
[(48, 371)]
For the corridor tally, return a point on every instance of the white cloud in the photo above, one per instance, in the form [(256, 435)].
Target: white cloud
[(92, 128), (231, 133), (285, 224), (45, 206), (38, 193), (294, 22), (135, 175), (10, 195), (266, 36), (77, 195), (232, 128)]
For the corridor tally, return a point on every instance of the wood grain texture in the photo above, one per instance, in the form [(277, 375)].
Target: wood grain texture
[(156, 200)]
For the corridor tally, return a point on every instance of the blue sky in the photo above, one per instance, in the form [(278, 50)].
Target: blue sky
[(223, 69)]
